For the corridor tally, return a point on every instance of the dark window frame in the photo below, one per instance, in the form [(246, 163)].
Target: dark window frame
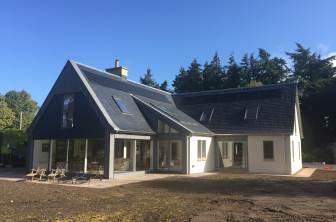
[(268, 149)]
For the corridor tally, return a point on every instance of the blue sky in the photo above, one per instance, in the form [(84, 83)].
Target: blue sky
[(38, 37)]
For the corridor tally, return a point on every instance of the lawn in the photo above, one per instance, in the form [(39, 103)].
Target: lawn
[(217, 197)]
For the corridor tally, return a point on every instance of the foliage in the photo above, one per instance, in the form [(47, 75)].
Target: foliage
[(212, 74), (148, 80), (21, 102), (7, 116), (13, 146)]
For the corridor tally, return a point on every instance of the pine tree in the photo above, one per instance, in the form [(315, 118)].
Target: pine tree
[(233, 74), (180, 83), (212, 74), (190, 80), (148, 79)]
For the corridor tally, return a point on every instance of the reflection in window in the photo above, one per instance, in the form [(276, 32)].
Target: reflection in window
[(123, 155), (95, 156), (76, 155), (201, 150), (121, 105), (68, 112), (164, 128)]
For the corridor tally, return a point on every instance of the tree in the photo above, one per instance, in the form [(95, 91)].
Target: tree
[(310, 67), (164, 86), (7, 116), (271, 70), (21, 102), (180, 83), (233, 74), (190, 80), (148, 79), (212, 74), (249, 69)]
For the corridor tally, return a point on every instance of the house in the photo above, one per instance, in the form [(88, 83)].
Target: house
[(95, 121)]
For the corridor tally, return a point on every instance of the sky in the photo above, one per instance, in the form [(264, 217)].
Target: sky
[(38, 37)]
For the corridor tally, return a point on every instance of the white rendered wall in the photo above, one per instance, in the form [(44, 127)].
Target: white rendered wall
[(281, 162), (197, 166), (295, 144)]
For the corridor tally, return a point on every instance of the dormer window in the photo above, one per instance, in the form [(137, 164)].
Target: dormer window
[(207, 115), (68, 111)]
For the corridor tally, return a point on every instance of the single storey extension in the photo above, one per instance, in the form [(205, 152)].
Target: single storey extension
[(99, 122)]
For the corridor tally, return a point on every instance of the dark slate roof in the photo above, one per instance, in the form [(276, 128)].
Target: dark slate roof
[(259, 110), (106, 85)]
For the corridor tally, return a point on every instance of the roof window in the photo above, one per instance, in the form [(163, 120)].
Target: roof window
[(121, 105)]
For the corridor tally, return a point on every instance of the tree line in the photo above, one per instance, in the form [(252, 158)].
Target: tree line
[(315, 75), (306, 68), (17, 108)]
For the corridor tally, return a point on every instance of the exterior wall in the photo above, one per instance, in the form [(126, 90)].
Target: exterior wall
[(202, 166), (281, 162), (295, 145), (40, 159)]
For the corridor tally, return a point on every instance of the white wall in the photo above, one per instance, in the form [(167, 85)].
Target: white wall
[(295, 144), (202, 166), (40, 158), (281, 162)]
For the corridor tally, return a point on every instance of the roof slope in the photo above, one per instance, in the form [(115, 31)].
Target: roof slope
[(259, 110), (106, 86)]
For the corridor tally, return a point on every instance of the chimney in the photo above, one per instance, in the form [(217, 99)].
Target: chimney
[(118, 70)]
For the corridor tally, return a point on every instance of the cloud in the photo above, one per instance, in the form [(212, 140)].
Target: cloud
[(332, 54)]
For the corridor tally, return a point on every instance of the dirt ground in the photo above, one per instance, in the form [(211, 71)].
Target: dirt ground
[(220, 197)]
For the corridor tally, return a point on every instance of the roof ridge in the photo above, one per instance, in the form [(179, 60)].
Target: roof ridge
[(120, 78), (269, 86)]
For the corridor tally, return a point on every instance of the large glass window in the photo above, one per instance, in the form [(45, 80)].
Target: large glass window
[(170, 155), (123, 155), (142, 155), (76, 155), (176, 155), (59, 155), (165, 128), (68, 112), (95, 156)]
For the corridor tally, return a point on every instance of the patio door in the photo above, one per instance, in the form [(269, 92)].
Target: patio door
[(170, 155)]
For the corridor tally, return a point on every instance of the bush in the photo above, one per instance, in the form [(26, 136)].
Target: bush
[(13, 147)]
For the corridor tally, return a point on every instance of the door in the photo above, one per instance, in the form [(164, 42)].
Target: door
[(142, 155), (237, 154), (170, 155)]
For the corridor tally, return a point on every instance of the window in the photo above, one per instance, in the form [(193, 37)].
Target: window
[(268, 150), (201, 150), (121, 105), (203, 117), (164, 128), (293, 151), (68, 112), (45, 147), (225, 150), (207, 115)]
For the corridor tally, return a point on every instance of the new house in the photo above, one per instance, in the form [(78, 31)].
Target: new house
[(99, 122)]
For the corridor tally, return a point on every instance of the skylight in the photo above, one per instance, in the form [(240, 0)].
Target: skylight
[(121, 105)]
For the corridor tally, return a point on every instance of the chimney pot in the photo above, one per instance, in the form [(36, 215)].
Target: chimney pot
[(116, 63), (118, 70)]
